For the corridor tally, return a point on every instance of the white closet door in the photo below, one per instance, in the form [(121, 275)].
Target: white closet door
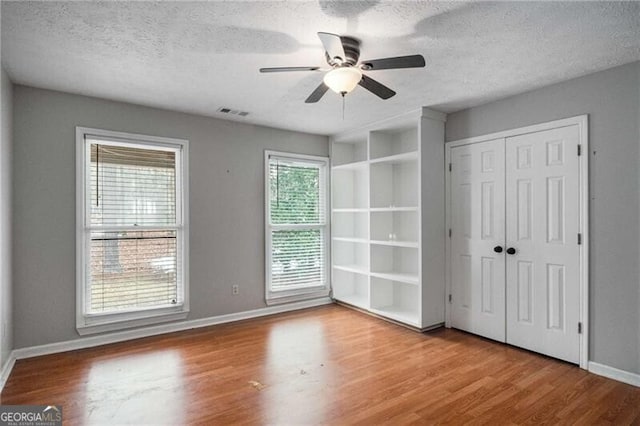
[(542, 192), (477, 222)]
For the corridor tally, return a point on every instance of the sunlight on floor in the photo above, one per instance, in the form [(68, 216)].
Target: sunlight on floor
[(126, 388), (297, 371)]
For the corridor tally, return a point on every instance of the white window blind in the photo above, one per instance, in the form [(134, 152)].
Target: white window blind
[(132, 186), (133, 227), (297, 224)]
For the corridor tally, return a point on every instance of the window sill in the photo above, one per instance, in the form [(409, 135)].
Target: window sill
[(288, 297), (94, 325)]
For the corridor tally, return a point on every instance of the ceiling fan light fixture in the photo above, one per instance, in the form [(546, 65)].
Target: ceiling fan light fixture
[(343, 79)]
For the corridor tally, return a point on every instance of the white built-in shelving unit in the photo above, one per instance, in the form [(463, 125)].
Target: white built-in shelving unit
[(388, 235)]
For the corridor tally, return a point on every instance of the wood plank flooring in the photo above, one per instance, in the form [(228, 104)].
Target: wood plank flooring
[(327, 365)]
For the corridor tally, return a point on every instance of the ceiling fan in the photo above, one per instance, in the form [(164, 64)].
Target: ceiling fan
[(342, 54)]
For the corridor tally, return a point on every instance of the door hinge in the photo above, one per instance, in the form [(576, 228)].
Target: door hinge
[(449, 232), (579, 150), (579, 239), (449, 298), (450, 166), (579, 328)]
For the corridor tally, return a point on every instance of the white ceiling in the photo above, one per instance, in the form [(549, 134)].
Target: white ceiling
[(199, 56)]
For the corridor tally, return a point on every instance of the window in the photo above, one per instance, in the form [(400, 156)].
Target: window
[(296, 227), (132, 234)]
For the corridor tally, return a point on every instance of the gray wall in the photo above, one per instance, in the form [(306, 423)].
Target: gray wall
[(612, 100), (6, 123), (226, 204)]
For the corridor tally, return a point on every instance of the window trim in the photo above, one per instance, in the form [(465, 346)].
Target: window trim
[(98, 323), (287, 296)]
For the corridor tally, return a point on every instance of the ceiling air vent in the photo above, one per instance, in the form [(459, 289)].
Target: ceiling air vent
[(226, 110)]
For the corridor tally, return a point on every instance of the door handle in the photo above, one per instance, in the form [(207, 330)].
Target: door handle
[(497, 249), (511, 250)]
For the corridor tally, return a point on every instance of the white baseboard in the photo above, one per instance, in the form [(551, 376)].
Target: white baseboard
[(614, 373), (89, 342), (6, 369)]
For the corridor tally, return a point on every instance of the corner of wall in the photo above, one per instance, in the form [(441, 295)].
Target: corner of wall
[(6, 276), (638, 133)]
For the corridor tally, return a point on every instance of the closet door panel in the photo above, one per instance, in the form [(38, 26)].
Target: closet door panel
[(542, 217), (477, 223)]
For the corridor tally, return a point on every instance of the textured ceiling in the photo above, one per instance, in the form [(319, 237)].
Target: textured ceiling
[(199, 56)]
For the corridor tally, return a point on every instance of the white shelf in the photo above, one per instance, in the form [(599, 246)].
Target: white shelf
[(351, 166), (350, 150), (355, 299), (393, 209), (402, 225), (394, 299), (395, 140), (397, 158), (398, 313), (412, 279), (351, 240), (350, 186), (358, 269), (350, 210), (380, 207), (394, 183), (350, 226), (351, 287), (395, 243)]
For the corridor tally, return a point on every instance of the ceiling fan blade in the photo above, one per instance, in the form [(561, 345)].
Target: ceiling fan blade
[(287, 69), (411, 61), (333, 45), (317, 94), (376, 88)]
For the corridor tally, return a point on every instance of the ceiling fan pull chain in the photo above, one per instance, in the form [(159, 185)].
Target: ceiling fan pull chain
[(342, 106)]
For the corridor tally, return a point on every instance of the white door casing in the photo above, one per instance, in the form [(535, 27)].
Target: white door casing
[(543, 289), (477, 221), (544, 212)]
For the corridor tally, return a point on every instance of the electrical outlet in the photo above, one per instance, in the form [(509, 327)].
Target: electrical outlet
[(235, 289)]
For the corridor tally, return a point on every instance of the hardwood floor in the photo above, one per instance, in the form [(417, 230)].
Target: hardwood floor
[(327, 365)]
